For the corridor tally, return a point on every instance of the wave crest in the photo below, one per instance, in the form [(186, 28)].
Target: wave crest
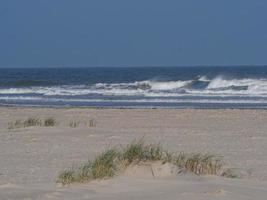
[(200, 86), (248, 86)]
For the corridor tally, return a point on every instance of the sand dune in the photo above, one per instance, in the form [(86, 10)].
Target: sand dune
[(32, 157)]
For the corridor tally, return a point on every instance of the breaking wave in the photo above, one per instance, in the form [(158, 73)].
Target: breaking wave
[(200, 86)]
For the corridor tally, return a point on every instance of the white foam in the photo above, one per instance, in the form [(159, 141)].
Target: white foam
[(145, 85), (16, 91), (170, 85), (204, 79), (254, 86), (21, 98), (217, 87)]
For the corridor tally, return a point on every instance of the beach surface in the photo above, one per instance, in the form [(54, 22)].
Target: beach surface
[(32, 157)]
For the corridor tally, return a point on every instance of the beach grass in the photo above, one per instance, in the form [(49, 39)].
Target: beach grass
[(114, 160), (139, 151), (92, 123), (49, 122), (104, 165), (78, 123), (74, 124), (31, 121)]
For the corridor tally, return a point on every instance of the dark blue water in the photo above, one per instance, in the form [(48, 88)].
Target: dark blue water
[(149, 87)]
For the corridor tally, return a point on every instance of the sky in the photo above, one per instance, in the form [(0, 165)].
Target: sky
[(79, 33)]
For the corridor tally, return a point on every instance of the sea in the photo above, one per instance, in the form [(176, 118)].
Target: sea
[(217, 87)]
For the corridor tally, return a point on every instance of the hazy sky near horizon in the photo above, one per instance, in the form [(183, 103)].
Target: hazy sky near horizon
[(47, 33)]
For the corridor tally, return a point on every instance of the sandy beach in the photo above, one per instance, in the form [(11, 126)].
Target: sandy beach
[(32, 157)]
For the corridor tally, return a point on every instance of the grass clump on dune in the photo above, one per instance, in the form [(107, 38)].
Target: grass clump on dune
[(49, 122), (92, 123), (200, 163), (102, 166), (138, 151), (74, 124), (111, 162), (32, 122), (67, 177), (78, 123)]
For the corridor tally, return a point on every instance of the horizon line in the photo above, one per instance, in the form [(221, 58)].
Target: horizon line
[(136, 66)]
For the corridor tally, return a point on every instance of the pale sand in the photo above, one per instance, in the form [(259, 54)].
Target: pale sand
[(31, 158)]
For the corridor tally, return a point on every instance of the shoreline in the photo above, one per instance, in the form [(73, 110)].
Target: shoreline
[(129, 108)]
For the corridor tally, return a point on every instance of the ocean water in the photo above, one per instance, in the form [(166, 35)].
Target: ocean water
[(141, 87)]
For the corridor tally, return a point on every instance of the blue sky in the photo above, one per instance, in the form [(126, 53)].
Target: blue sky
[(48, 33)]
